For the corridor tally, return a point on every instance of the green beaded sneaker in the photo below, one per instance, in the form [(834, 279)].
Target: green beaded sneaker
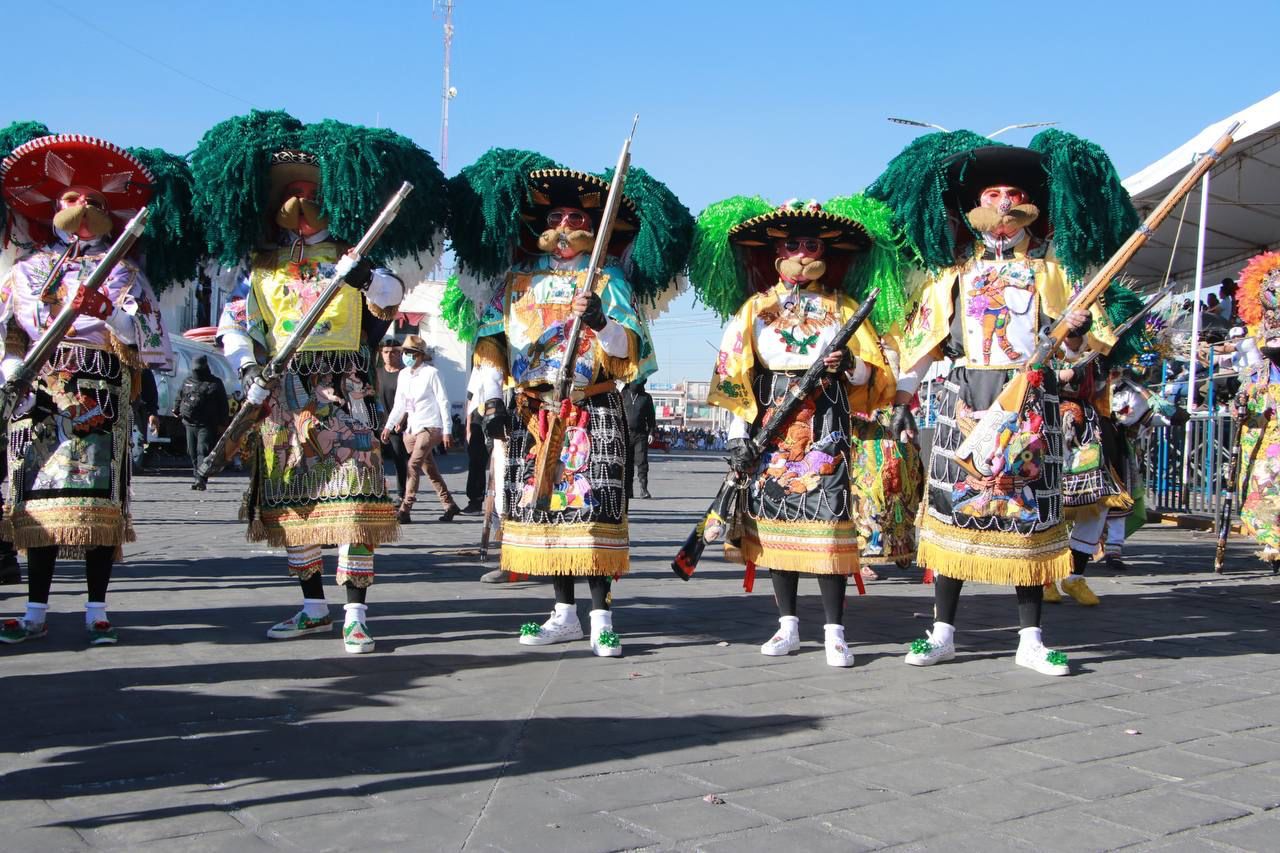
[(356, 639), (299, 626), (20, 630), (102, 634)]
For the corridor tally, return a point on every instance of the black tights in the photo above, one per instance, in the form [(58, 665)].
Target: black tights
[(97, 572), (598, 584), (313, 587), (1079, 561), (946, 596), (786, 586)]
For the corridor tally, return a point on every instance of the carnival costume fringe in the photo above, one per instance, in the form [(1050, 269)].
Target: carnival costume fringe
[(989, 556)]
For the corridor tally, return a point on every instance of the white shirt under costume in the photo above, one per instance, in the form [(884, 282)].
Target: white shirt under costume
[(419, 394)]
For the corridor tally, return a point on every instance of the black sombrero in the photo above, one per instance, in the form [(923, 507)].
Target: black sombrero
[(801, 219), (970, 172), (550, 188)]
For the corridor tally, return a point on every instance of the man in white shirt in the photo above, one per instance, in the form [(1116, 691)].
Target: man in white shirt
[(421, 411)]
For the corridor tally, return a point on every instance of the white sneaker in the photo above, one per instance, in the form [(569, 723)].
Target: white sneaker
[(1034, 655), (300, 626), (604, 642), (838, 653), (557, 629), (786, 641), (356, 639), (926, 652)]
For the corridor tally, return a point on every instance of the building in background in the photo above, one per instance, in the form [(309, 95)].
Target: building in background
[(684, 406)]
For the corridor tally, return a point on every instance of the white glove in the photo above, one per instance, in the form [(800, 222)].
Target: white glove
[(257, 393), (122, 325), (385, 290), (8, 366)]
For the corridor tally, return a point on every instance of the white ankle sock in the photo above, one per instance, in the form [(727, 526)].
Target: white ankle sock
[(942, 633), (603, 618), (789, 626), (36, 612), (565, 613), (356, 612), (834, 631), (316, 608), (95, 611), (1029, 637)]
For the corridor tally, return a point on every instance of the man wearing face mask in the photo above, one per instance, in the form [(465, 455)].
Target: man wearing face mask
[(420, 414), (1257, 407), (69, 439), (801, 261), (290, 204), (539, 248), (979, 214)]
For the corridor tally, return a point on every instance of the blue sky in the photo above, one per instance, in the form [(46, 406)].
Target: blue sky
[(781, 99)]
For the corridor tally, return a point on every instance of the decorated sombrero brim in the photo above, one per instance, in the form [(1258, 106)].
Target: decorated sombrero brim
[(36, 174), (837, 232), (970, 172), (551, 188), (291, 165)]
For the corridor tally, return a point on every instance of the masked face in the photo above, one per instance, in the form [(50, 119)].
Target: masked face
[(300, 210), (1269, 299), (1002, 211), (800, 259), (569, 233), (408, 359), (83, 212)]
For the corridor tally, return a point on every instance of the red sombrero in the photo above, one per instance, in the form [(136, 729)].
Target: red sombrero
[(35, 175)]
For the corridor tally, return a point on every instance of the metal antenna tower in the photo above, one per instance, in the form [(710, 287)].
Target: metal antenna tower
[(448, 92)]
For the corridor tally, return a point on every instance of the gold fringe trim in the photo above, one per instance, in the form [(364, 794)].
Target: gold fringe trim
[(490, 353), (372, 535), (1122, 502), (27, 536), (627, 367), (127, 354), (383, 313), (796, 561), (1007, 559), (578, 562)]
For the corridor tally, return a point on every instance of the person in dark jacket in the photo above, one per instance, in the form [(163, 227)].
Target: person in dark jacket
[(388, 377), (642, 421), (202, 405)]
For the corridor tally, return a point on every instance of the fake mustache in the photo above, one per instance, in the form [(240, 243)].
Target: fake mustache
[(296, 210), (69, 219), (793, 269), (554, 238), (986, 219)]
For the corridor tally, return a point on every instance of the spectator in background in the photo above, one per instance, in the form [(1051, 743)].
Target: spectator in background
[(1226, 307), (642, 420), (202, 406), (478, 446), (392, 443), (421, 411)]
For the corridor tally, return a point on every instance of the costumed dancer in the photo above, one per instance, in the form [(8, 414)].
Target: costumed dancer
[(523, 229), (1093, 452), (972, 210), (785, 278), (69, 440), (1257, 405), (284, 202), (1136, 411)]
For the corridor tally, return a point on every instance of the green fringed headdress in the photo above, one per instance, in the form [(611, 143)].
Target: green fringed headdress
[(173, 247), (458, 311), (358, 169), (493, 205), (1120, 303), (1083, 206), (733, 253)]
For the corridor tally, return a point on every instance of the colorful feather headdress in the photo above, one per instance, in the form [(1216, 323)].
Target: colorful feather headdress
[(730, 261), (358, 169), (1084, 207)]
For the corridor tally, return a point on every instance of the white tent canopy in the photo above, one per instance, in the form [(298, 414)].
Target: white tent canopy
[(1244, 202)]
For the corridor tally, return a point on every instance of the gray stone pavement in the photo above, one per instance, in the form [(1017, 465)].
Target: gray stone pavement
[(196, 733)]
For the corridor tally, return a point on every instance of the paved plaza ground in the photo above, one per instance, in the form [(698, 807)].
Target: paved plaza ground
[(197, 733)]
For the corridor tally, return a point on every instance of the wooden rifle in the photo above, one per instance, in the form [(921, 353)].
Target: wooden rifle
[(725, 513), (548, 467), (982, 436)]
